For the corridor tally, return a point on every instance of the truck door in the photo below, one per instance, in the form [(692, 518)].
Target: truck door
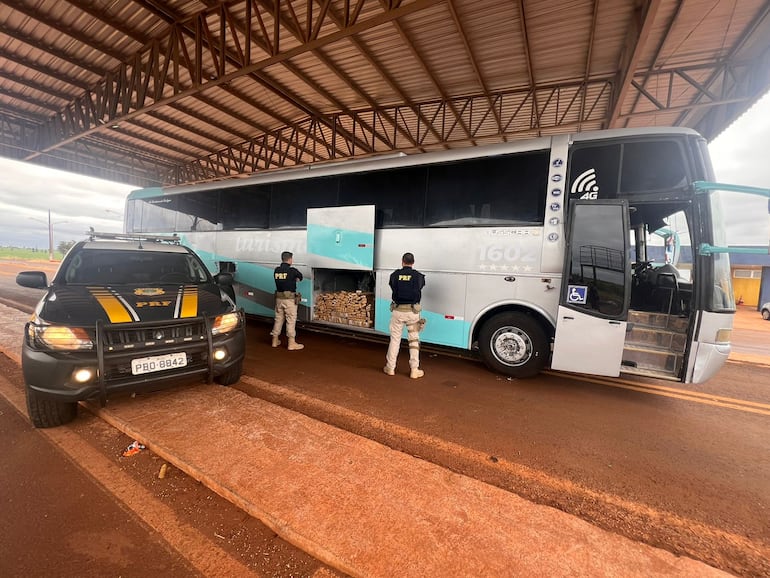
[(596, 288), (341, 238)]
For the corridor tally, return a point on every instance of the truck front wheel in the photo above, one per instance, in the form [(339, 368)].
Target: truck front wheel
[(44, 412)]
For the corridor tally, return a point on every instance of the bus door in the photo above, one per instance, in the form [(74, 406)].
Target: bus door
[(341, 238), (593, 309)]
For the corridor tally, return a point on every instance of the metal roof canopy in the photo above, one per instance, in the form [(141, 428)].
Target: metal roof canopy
[(150, 92)]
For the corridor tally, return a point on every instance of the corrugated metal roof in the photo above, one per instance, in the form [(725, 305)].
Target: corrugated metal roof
[(161, 92)]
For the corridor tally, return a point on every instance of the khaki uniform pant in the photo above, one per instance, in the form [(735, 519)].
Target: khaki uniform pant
[(399, 320), (285, 309)]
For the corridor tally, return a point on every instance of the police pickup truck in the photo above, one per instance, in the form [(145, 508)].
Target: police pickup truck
[(126, 314)]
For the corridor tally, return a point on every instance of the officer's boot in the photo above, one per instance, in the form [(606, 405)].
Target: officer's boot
[(416, 373), (293, 345), (276, 341)]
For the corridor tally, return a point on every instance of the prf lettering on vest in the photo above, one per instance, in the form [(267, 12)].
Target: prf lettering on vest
[(404, 277), (281, 275)]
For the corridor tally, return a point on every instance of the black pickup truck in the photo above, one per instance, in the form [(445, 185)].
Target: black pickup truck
[(126, 315)]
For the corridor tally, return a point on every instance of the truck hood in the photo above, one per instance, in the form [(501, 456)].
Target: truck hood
[(80, 305)]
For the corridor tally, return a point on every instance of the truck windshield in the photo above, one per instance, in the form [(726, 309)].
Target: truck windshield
[(123, 267)]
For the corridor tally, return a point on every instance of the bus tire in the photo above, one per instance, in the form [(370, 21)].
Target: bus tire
[(44, 412), (231, 376), (514, 344)]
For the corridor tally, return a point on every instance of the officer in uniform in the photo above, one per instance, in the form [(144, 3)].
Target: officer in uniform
[(286, 301), (407, 284)]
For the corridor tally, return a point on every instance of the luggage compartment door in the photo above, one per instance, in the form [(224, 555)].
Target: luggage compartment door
[(341, 238)]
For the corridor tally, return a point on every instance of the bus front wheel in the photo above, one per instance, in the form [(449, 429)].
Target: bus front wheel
[(514, 344)]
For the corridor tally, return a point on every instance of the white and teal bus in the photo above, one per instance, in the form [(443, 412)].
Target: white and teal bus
[(537, 253)]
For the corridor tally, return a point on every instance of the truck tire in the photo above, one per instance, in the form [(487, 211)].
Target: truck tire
[(514, 344), (44, 412), (230, 376)]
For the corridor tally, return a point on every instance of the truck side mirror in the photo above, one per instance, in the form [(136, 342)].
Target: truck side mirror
[(32, 279), (224, 278)]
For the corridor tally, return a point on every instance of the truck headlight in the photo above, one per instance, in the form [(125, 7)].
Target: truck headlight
[(225, 323), (61, 337)]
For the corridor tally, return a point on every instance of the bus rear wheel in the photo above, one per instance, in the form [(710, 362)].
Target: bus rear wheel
[(514, 344)]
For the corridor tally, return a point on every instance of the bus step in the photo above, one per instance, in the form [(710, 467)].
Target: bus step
[(651, 337), (660, 320), (652, 359), (649, 373)]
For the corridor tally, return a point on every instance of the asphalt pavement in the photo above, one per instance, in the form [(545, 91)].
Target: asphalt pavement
[(357, 505)]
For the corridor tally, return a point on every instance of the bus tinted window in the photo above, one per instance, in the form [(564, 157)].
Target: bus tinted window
[(502, 190), (198, 212), (598, 259), (291, 199), (593, 172), (399, 195), (601, 171), (652, 166), (246, 208)]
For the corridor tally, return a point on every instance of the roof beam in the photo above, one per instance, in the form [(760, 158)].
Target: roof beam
[(636, 40), (458, 119), (516, 110), (763, 13), (118, 95)]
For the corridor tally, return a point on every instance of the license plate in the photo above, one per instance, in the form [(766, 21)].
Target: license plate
[(158, 363)]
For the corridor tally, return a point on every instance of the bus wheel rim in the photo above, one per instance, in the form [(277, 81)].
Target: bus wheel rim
[(511, 346)]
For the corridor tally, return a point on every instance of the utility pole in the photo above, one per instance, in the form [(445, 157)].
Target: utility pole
[(50, 233), (50, 237)]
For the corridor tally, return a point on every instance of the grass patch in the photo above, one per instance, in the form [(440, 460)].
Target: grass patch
[(27, 254)]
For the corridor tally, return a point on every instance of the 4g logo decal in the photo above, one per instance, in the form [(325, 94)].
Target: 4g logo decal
[(586, 186)]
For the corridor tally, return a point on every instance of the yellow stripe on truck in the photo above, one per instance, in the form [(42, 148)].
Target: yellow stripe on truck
[(115, 310), (189, 302)]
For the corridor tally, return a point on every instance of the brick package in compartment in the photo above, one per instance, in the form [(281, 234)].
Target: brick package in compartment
[(354, 308)]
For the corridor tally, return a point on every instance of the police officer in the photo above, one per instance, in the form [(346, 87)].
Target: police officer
[(407, 284), (286, 300)]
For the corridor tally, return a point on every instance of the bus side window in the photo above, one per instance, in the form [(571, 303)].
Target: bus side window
[(246, 208), (500, 190), (290, 200), (399, 195)]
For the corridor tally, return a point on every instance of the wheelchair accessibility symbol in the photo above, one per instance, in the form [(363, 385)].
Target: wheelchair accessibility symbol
[(577, 294)]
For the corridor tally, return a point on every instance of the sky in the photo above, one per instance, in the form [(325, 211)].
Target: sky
[(28, 192)]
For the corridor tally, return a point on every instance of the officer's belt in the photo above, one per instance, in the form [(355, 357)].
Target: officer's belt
[(405, 306), (285, 294)]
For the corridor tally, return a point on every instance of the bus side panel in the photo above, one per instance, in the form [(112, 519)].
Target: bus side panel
[(462, 249), (486, 292), (256, 254), (442, 308)]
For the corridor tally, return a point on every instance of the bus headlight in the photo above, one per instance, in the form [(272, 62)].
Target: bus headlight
[(225, 323), (61, 337)]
